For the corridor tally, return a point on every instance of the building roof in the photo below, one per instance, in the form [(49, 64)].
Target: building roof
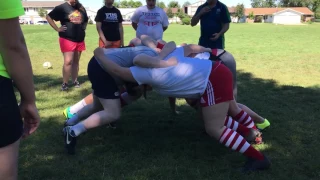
[(41, 3), (269, 11)]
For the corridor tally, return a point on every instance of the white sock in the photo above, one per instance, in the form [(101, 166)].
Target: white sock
[(72, 121), (78, 129), (126, 98), (75, 108)]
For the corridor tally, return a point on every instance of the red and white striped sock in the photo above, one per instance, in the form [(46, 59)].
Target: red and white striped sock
[(235, 141), (244, 119), (234, 125)]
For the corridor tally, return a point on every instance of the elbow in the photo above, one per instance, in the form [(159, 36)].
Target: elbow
[(97, 52), (48, 18)]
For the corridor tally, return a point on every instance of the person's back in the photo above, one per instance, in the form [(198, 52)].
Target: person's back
[(187, 79)]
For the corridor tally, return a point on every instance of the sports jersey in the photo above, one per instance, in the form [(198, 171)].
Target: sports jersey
[(150, 22), (124, 56), (187, 79)]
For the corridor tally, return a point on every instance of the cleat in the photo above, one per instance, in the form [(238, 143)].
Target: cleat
[(67, 113), (64, 87), (253, 165), (76, 84), (112, 125), (70, 140), (264, 125)]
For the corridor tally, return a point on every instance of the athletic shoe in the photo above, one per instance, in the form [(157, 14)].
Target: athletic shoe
[(67, 113), (256, 165), (64, 87), (112, 125), (76, 84), (70, 140), (263, 125), (254, 136)]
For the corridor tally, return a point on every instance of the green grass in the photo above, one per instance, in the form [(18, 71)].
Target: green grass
[(278, 75)]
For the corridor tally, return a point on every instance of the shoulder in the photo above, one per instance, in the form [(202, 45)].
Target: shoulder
[(101, 9), (117, 10), (203, 5), (222, 5), (141, 8)]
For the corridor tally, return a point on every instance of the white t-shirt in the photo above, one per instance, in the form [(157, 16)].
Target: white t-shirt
[(187, 79), (150, 22)]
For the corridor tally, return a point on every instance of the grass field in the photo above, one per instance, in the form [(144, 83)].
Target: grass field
[(278, 71)]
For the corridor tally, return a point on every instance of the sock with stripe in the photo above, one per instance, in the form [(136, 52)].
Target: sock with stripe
[(236, 142), (234, 125), (244, 119), (73, 120)]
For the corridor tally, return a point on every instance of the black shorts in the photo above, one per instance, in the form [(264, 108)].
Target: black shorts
[(11, 126), (103, 84)]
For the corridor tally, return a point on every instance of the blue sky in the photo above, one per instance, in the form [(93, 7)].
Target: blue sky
[(98, 3)]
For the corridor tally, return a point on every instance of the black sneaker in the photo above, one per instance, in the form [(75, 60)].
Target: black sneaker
[(112, 125), (76, 84), (64, 87), (70, 140), (256, 165)]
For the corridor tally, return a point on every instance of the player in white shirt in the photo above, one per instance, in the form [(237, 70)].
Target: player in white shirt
[(185, 77), (150, 20)]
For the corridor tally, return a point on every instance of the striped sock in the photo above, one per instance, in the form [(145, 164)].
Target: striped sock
[(234, 125), (244, 119), (236, 142)]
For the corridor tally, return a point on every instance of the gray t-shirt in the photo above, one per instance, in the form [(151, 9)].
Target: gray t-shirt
[(124, 56)]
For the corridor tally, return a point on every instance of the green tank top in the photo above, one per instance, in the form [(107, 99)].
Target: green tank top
[(9, 9)]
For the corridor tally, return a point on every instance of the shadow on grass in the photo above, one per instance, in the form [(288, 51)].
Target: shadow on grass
[(150, 143)]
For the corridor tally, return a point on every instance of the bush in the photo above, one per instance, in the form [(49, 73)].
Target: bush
[(317, 20), (90, 21), (186, 21)]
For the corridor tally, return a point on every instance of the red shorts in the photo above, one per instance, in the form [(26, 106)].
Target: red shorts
[(113, 44), (220, 86), (70, 46)]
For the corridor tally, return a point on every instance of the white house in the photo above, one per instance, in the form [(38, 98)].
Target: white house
[(290, 15), (192, 8), (31, 9), (127, 13), (91, 13)]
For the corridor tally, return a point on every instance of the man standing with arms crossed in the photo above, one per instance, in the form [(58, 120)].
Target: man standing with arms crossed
[(214, 22), (15, 66)]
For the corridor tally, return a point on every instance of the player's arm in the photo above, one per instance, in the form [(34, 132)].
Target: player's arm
[(135, 19), (16, 58), (193, 48), (113, 68), (147, 61), (225, 19)]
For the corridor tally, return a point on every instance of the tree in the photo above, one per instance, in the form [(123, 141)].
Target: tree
[(138, 4), (42, 12), (116, 4), (173, 4), (161, 4), (186, 4), (170, 13), (239, 11), (123, 4), (181, 14), (263, 3)]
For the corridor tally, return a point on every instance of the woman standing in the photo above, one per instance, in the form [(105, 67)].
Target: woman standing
[(15, 121), (73, 18), (109, 26)]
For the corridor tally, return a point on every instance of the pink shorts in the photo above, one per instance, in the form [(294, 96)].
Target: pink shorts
[(220, 86), (70, 46)]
